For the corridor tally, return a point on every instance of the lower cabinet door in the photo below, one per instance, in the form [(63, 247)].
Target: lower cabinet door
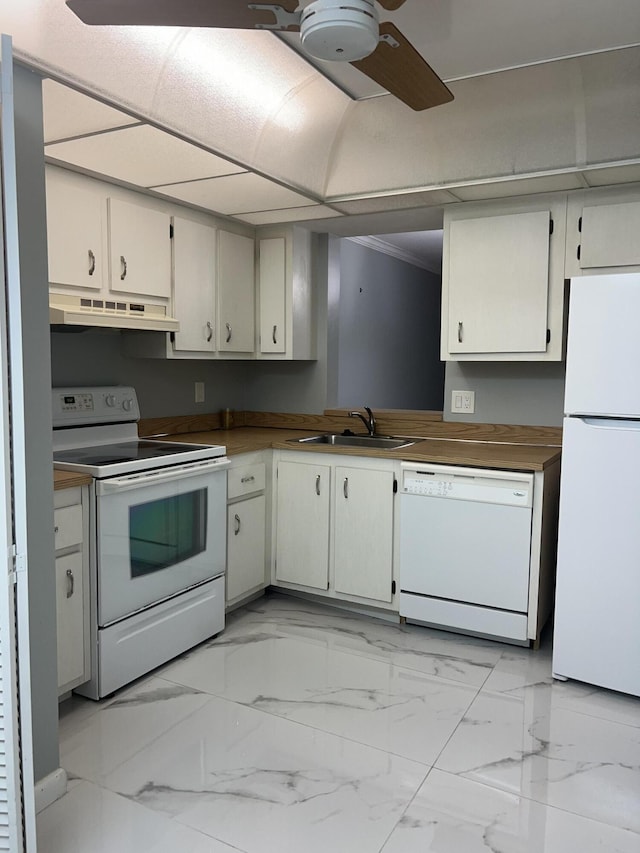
[(70, 616), (302, 549), (363, 556), (245, 547)]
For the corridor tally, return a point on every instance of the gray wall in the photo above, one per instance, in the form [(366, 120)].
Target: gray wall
[(388, 332), (164, 388), (280, 386), (37, 391), (508, 392)]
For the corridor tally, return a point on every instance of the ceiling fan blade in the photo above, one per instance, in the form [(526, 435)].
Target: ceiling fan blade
[(403, 72), (391, 5), (234, 14)]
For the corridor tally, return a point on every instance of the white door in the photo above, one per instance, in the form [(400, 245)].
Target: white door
[(603, 346), (302, 550), (17, 801), (194, 285), (499, 283), (597, 629), (271, 278), (236, 293), (363, 550), (139, 250), (245, 546)]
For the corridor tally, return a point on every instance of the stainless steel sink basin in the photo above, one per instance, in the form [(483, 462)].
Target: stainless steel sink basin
[(385, 442)]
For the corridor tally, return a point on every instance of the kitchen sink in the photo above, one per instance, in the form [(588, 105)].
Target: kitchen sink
[(333, 439)]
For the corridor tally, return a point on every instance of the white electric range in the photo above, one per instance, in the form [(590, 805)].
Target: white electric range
[(158, 534)]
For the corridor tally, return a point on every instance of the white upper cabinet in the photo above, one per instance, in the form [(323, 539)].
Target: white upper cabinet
[(194, 286), (286, 325), (139, 249), (236, 293), (272, 294), (603, 231), (503, 280), (75, 222)]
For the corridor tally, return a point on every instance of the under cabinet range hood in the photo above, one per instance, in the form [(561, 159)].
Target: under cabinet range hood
[(109, 314)]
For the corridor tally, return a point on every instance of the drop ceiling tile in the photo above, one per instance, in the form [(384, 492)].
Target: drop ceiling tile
[(624, 174), (141, 155), (67, 113), (518, 186), (236, 194), (399, 201), (289, 214)]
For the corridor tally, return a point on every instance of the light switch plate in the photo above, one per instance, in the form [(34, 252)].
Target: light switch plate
[(463, 402), (199, 392)]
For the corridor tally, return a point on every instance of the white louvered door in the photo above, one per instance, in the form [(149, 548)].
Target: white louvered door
[(17, 812)]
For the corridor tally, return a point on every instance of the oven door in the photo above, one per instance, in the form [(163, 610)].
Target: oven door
[(158, 534)]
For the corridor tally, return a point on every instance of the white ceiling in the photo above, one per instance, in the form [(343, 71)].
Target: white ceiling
[(259, 134)]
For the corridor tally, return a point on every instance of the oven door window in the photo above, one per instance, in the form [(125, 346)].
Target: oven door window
[(167, 531)]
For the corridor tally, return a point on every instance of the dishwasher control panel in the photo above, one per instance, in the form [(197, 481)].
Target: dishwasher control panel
[(469, 484)]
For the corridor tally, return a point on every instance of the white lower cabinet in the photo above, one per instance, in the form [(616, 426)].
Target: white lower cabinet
[(72, 589), (302, 513), (334, 527), (246, 530), (363, 532)]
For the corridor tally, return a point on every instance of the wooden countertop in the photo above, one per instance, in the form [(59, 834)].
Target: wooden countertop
[(482, 454), (69, 479)]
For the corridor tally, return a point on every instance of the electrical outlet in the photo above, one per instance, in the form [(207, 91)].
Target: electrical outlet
[(199, 392), (463, 402)]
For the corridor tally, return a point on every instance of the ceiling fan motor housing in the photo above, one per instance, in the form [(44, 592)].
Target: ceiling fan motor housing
[(343, 30)]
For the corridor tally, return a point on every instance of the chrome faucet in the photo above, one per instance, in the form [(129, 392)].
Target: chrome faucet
[(369, 421)]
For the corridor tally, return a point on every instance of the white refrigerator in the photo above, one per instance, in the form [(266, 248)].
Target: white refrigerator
[(597, 615)]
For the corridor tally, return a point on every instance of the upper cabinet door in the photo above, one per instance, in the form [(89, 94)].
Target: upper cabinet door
[(272, 289), (74, 231), (236, 293), (610, 236), (139, 250), (498, 283), (194, 280)]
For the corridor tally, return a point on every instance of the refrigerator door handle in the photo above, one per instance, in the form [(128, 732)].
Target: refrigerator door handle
[(611, 423)]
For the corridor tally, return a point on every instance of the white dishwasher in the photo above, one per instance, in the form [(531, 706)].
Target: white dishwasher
[(465, 549)]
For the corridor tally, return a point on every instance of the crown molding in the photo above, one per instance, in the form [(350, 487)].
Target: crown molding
[(379, 245)]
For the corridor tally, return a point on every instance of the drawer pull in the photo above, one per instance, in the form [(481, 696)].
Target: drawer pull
[(70, 583), (238, 524), (247, 479)]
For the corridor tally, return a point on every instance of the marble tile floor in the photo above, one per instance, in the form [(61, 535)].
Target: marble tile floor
[(310, 729)]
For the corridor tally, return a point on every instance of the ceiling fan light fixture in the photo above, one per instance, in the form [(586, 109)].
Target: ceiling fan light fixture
[(342, 30)]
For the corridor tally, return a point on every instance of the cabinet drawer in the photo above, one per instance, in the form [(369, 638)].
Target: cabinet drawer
[(245, 479), (67, 526)]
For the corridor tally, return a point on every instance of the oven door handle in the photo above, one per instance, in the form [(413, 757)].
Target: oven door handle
[(164, 475)]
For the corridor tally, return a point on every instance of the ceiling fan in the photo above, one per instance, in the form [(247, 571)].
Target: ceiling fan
[(335, 30)]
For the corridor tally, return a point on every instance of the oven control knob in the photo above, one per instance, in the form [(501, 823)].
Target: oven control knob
[(127, 404), (110, 400)]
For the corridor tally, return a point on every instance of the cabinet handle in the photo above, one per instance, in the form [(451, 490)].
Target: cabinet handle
[(318, 485), (247, 479), (229, 331), (92, 262), (209, 331), (236, 529), (345, 487), (273, 336), (55, 529), (460, 332), (123, 267), (70, 583)]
